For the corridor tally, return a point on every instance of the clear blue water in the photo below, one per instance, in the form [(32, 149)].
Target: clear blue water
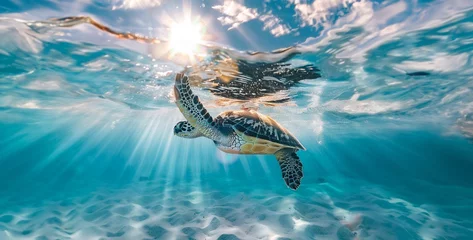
[(87, 149)]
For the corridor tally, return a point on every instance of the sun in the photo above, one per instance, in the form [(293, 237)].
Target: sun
[(185, 37)]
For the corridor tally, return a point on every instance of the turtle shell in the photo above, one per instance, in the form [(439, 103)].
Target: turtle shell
[(257, 125)]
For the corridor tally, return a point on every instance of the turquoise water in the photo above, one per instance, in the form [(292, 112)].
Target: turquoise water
[(380, 94)]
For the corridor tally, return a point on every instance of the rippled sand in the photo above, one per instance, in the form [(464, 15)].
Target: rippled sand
[(154, 210)]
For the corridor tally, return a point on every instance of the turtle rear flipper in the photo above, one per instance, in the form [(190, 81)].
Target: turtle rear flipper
[(291, 167)]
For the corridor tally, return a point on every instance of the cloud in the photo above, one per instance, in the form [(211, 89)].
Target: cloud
[(135, 4), (274, 24), (319, 11), (235, 13)]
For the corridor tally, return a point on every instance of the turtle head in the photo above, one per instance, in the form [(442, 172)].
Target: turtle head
[(185, 130)]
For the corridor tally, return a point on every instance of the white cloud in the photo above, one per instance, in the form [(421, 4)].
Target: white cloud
[(135, 4), (274, 24), (318, 12), (361, 12), (235, 13), (280, 30)]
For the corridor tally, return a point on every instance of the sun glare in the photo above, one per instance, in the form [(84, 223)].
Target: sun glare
[(185, 37)]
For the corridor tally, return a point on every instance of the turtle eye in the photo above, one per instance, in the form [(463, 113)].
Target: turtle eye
[(177, 128)]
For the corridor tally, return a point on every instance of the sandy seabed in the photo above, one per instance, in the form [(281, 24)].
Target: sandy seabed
[(229, 210)]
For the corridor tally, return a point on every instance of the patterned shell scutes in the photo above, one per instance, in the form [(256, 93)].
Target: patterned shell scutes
[(255, 124)]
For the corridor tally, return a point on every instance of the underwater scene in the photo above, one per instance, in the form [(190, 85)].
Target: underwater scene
[(233, 119)]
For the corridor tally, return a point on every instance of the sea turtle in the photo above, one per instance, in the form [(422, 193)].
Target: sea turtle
[(239, 132)]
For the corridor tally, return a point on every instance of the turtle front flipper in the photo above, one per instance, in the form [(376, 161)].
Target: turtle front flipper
[(193, 110), (291, 167)]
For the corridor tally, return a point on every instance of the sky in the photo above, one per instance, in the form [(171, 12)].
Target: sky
[(245, 25), (255, 25)]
